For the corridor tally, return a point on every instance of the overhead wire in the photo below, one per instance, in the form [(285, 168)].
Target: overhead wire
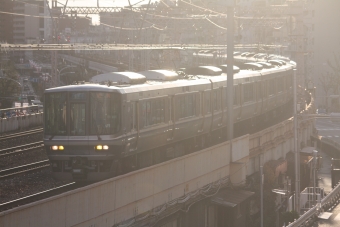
[(215, 24), (202, 8), (25, 15), (164, 3)]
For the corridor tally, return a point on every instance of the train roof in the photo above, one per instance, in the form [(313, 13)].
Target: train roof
[(161, 75), (119, 77), (164, 84), (129, 82)]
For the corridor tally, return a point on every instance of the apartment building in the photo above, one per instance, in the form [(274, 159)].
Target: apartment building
[(27, 27), (6, 21)]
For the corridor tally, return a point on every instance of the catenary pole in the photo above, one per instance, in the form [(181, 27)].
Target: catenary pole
[(296, 154), (230, 63)]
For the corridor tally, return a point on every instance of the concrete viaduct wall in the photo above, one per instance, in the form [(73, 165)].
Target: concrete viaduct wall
[(140, 193), (21, 122)]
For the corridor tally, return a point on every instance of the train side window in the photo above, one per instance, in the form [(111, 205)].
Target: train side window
[(171, 109), (134, 115), (186, 106), (259, 91), (280, 84), (289, 81), (217, 99), (248, 92), (272, 87), (207, 102), (152, 112), (224, 97), (214, 100), (236, 95)]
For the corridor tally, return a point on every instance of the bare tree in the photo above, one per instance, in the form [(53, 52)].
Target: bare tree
[(327, 86), (9, 89), (334, 76)]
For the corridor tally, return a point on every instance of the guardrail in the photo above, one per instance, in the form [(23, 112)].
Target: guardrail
[(22, 118), (18, 111), (326, 203)]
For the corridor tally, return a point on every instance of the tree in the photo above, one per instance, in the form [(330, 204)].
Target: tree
[(9, 89), (334, 76), (327, 85)]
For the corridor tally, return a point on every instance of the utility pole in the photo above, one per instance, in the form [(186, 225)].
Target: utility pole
[(54, 54), (296, 152), (261, 185), (230, 73)]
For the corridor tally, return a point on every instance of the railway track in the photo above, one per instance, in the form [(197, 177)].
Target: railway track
[(20, 138), (20, 149), (20, 134), (32, 167), (38, 196)]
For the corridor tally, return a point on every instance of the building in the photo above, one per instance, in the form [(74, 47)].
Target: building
[(6, 21), (28, 29)]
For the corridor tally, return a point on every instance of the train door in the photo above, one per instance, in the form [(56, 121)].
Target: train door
[(171, 122), (238, 100), (133, 135), (201, 112), (265, 95)]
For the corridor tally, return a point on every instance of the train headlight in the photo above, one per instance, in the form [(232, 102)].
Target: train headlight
[(57, 148), (101, 147)]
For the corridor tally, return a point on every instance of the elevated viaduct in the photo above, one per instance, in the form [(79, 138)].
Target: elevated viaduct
[(194, 190)]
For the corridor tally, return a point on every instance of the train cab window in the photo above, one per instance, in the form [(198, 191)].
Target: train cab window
[(104, 113), (77, 119), (77, 96), (55, 114)]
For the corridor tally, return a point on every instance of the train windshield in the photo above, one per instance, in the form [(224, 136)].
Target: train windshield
[(105, 113), (55, 114), (82, 113)]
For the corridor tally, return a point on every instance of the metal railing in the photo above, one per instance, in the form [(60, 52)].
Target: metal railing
[(327, 202), (17, 111)]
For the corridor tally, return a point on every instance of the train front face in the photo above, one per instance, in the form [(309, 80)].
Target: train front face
[(82, 131)]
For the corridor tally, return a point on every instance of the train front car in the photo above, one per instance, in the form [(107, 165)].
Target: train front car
[(82, 131)]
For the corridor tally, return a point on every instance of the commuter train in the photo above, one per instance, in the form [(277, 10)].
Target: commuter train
[(123, 121)]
